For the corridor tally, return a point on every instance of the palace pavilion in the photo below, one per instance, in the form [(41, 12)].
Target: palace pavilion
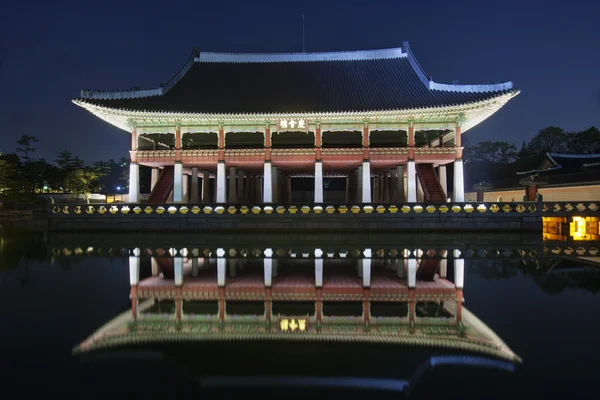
[(251, 128)]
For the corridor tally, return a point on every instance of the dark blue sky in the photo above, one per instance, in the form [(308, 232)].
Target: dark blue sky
[(49, 50)]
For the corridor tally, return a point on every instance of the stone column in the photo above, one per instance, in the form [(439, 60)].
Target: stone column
[(420, 194), (154, 178), (443, 179), (376, 182), (220, 189), (258, 186), (366, 182), (359, 179), (400, 183), (318, 182), (194, 186), (459, 185), (205, 186), (134, 182), (178, 183), (289, 189), (249, 188), (386, 187), (267, 183), (231, 195), (411, 177), (240, 187), (393, 186), (186, 188), (275, 187)]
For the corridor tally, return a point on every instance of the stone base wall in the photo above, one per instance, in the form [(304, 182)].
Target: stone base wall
[(516, 222)]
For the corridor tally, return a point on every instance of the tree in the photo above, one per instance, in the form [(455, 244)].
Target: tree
[(491, 152), (80, 181), (551, 139), (584, 142), (26, 142), (68, 162)]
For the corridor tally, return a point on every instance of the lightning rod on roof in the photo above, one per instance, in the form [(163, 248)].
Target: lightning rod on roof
[(303, 48)]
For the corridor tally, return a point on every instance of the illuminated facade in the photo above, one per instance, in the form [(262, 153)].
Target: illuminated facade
[(239, 128)]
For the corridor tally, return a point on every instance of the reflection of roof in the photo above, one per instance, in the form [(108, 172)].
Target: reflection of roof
[(371, 80), (162, 329)]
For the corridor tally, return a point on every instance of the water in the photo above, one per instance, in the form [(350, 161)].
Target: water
[(543, 307)]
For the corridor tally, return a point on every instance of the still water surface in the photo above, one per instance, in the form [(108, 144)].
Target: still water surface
[(542, 306)]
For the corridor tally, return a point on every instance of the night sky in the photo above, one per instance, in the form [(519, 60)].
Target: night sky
[(49, 50)]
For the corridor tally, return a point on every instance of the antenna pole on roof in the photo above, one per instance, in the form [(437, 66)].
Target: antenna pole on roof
[(303, 48)]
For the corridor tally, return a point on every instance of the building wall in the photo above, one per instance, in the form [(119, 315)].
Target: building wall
[(564, 193)]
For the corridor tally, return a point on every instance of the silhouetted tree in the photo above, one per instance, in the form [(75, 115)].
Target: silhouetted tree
[(26, 142)]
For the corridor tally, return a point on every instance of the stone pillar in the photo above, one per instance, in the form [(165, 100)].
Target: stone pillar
[(194, 197), (366, 182), (275, 187), (411, 177), (186, 188), (249, 191), (376, 182), (289, 189), (359, 185), (459, 183), (393, 186), (220, 189), (318, 182), (154, 178), (134, 182), (240, 187), (400, 184), (178, 183), (231, 195), (258, 187), (443, 179), (348, 179), (420, 194), (386, 187), (205, 186), (267, 183)]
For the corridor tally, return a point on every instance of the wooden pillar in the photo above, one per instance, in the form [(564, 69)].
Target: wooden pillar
[(258, 188), (134, 301), (459, 300), (249, 189), (221, 304), (376, 197), (268, 304), (289, 189), (178, 303), (205, 187), (411, 308), (366, 305), (400, 183), (411, 143), (347, 190), (319, 305)]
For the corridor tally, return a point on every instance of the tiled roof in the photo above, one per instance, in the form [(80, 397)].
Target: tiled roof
[(375, 80)]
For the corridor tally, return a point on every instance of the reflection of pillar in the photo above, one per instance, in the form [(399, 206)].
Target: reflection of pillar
[(221, 261), (400, 268), (366, 305), (411, 177), (194, 198), (154, 266), (134, 279), (220, 190), (443, 179), (412, 283), (178, 182), (443, 264), (459, 282), (195, 266), (366, 182), (267, 183), (231, 195), (319, 283), (268, 267), (318, 182), (268, 304), (178, 269), (134, 182), (366, 268)]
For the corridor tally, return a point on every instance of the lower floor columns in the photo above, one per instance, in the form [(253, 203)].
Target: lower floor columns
[(134, 182), (443, 179), (366, 182), (411, 178), (267, 196), (318, 182), (154, 178), (459, 183), (178, 183), (194, 195), (205, 186), (220, 187)]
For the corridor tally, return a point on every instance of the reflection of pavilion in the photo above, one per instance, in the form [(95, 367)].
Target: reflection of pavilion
[(407, 301)]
